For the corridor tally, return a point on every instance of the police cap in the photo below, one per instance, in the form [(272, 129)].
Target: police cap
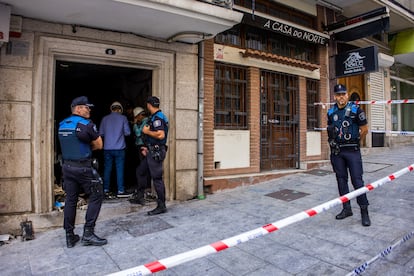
[(154, 101), (82, 100), (339, 88)]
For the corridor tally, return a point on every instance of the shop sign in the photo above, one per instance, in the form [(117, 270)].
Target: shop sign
[(356, 62), (360, 26), (284, 28)]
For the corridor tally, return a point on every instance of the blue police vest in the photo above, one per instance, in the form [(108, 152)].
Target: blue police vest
[(346, 129), (72, 147), (151, 140)]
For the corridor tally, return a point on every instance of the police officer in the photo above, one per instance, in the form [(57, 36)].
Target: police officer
[(155, 149), (347, 125), (78, 137)]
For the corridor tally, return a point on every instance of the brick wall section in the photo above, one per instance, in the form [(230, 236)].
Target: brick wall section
[(302, 118), (254, 117), (208, 120)]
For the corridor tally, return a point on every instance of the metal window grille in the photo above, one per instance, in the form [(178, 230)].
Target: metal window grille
[(230, 91), (312, 95)]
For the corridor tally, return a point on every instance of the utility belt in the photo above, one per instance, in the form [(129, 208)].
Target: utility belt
[(349, 146), (82, 163), (336, 148), (157, 147)]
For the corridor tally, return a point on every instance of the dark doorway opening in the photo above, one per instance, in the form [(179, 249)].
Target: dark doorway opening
[(102, 84)]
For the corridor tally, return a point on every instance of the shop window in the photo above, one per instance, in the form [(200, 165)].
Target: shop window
[(255, 40), (230, 93), (312, 95), (230, 37)]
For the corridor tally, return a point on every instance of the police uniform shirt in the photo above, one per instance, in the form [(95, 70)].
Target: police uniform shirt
[(87, 133), (85, 130), (351, 113), (158, 122)]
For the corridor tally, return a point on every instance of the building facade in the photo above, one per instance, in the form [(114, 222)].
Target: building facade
[(240, 92), (262, 78)]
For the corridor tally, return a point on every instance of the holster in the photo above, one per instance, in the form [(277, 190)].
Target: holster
[(155, 152)]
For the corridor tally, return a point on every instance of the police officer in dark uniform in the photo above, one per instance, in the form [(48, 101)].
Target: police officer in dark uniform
[(155, 149), (78, 137), (347, 125)]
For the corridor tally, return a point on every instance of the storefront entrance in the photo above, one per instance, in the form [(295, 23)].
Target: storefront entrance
[(279, 142)]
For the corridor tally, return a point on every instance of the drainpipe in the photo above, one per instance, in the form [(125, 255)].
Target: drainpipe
[(200, 133)]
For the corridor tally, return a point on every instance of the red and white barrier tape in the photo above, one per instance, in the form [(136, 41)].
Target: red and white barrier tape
[(200, 252), (405, 101), (393, 132), (360, 269)]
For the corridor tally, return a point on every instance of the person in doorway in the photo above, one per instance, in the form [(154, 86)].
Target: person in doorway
[(155, 149), (78, 137), (347, 127), (140, 120), (113, 128)]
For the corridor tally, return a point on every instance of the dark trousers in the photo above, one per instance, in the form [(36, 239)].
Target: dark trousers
[(77, 180), (154, 169), (349, 159)]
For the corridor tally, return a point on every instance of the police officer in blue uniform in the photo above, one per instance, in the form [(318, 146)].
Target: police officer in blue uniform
[(78, 137), (155, 149), (347, 125)]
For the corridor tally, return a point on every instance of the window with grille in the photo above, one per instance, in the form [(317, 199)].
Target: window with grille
[(312, 93), (230, 93)]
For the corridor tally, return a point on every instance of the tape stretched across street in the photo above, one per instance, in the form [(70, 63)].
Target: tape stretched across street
[(218, 246), (405, 101), (392, 132), (360, 269)]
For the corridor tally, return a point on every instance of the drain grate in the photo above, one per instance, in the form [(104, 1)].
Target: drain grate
[(319, 172), (287, 195)]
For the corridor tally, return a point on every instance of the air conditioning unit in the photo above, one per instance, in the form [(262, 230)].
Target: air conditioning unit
[(222, 3)]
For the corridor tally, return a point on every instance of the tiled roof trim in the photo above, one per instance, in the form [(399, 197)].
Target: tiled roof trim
[(280, 59)]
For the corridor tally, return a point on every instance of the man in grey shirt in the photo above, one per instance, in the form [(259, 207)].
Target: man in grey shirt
[(113, 129)]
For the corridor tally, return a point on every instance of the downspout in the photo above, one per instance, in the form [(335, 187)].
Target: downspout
[(200, 132)]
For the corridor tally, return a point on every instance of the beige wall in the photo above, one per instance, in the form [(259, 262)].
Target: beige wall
[(27, 104)]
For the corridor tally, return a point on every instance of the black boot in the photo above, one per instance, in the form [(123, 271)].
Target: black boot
[(346, 211), (364, 216), (89, 238), (161, 208), (71, 239), (137, 198)]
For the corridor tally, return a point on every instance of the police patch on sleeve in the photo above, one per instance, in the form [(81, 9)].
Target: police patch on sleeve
[(362, 116), (156, 123)]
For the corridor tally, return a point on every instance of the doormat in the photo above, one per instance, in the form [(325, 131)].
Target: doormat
[(134, 225), (319, 172), (287, 195)]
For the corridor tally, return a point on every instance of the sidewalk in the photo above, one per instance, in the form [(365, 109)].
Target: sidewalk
[(319, 245)]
